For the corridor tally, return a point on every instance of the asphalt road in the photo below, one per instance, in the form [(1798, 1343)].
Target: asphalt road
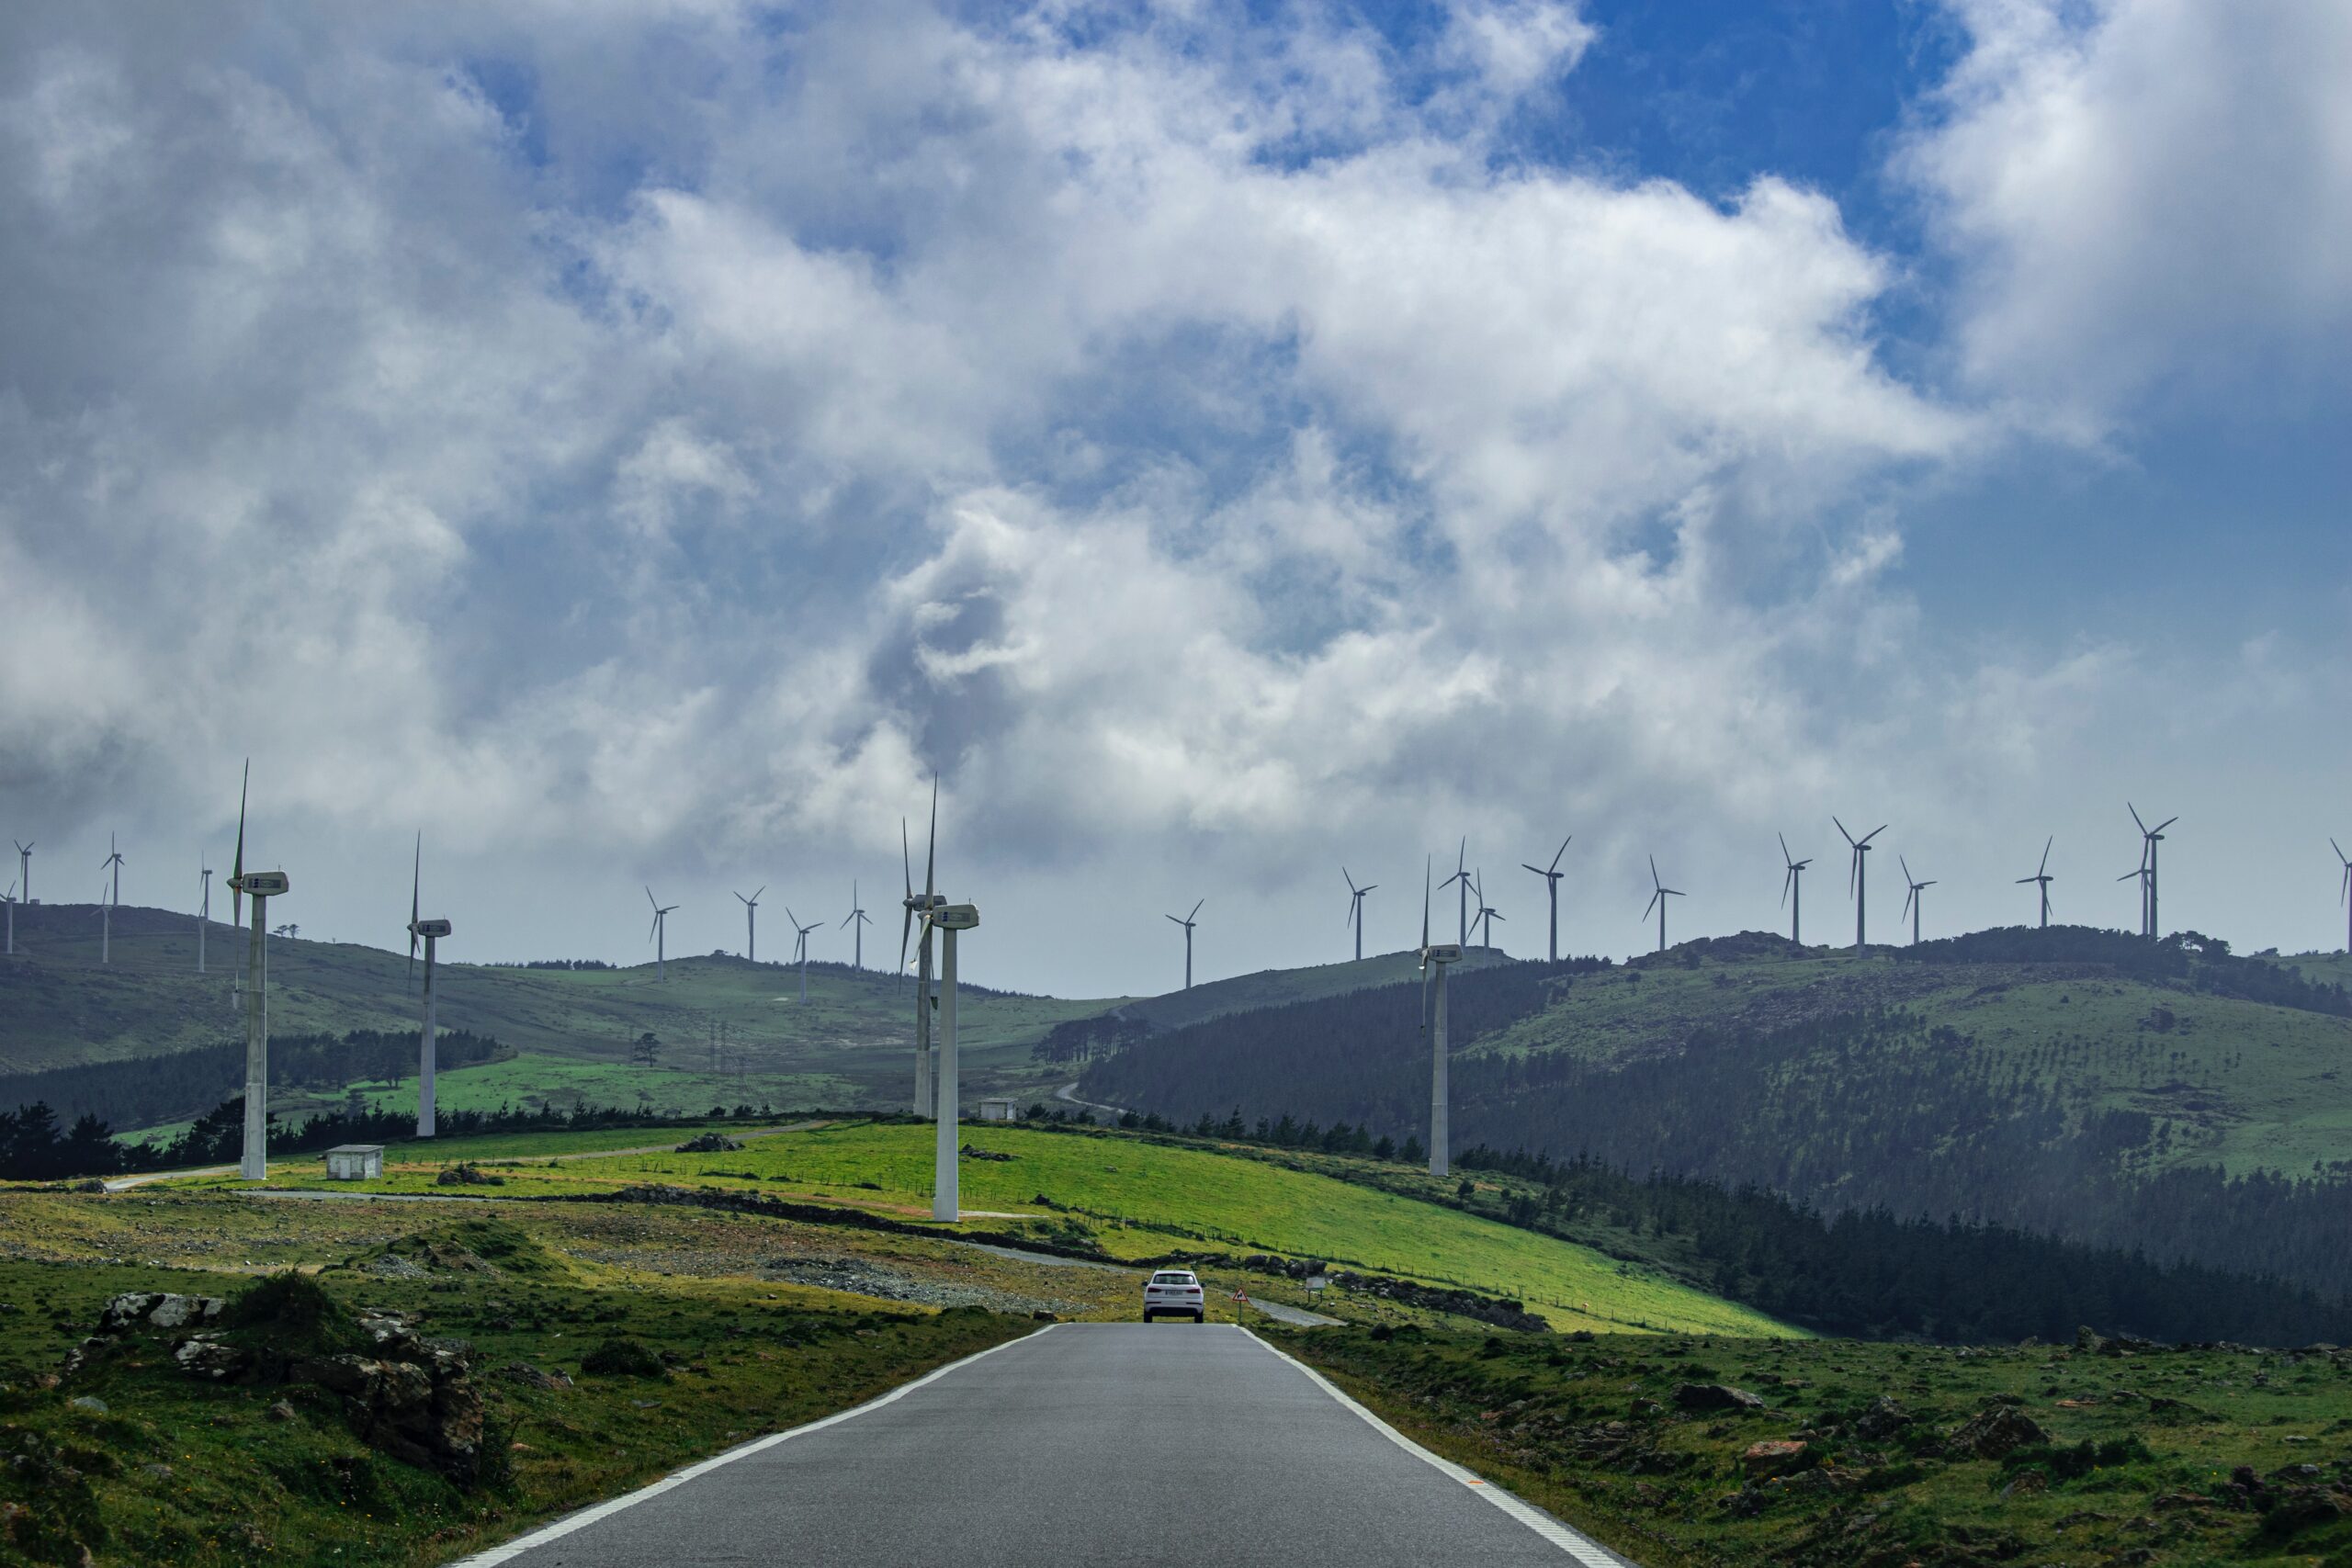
[(1175, 1445)]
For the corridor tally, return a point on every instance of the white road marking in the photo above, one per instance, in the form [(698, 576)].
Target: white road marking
[(1590, 1553), (605, 1509)]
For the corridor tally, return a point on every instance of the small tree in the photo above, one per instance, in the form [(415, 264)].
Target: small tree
[(647, 1051)]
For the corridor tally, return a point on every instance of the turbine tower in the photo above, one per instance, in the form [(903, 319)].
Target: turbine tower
[(2345, 900), (1793, 890), (1657, 897), (106, 937), (427, 1042), (919, 907), (857, 922), (751, 925), (801, 951), (204, 911), (262, 886), (2043, 879), (2152, 837), (1188, 923), (659, 935), (1435, 956), (1462, 876), (11, 901), (1552, 888), (1857, 879), (24, 871), (1912, 900), (2140, 871), (946, 1196), (1355, 908), (1486, 915)]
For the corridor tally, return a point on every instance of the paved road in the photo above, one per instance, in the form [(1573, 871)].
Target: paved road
[(1175, 1445)]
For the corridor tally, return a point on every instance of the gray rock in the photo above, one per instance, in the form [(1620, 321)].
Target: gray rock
[(1883, 1419), (91, 1402), (1995, 1432), (1715, 1397)]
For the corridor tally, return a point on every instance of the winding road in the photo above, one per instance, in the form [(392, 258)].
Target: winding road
[(1171, 1444)]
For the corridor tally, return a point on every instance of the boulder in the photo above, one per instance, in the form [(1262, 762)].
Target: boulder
[(1883, 1419), (523, 1372), (1995, 1432), (708, 1144), (1774, 1456), (1715, 1397), (204, 1356)]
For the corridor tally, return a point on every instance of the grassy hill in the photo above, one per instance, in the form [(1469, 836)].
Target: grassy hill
[(849, 1045), (2072, 1082)]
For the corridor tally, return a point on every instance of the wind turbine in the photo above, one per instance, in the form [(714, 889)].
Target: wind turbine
[(1486, 915), (427, 1044), (751, 925), (2152, 837), (262, 886), (2043, 879), (105, 937), (11, 901), (1793, 890), (204, 911), (1857, 879), (1355, 906), (1659, 899), (919, 906), (660, 936), (1188, 923), (857, 922), (801, 953), (1436, 956), (1461, 875), (949, 919), (1912, 900), (24, 871), (2345, 900), (1551, 887), (2141, 872)]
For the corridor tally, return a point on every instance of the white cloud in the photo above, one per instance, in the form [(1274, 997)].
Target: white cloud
[(2143, 189)]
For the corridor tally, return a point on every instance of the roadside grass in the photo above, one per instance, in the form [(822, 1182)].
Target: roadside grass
[(176, 1471), (1135, 1198), (1592, 1432)]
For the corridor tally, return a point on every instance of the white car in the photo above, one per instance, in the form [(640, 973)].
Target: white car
[(1174, 1292)]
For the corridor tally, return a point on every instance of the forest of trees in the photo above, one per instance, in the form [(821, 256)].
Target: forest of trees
[(2202, 963), (1856, 1112), (150, 1091)]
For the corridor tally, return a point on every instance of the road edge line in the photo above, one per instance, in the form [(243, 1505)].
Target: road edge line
[(1589, 1552), (557, 1530)]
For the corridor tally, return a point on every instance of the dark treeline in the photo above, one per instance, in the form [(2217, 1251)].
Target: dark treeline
[(1852, 1113), (146, 1090), (2203, 963), (33, 1147), (551, 964), (1866, 1274), (1862, 1273)]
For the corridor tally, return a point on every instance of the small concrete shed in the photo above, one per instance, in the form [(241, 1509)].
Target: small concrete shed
[(354, 1162), (996, 1110)]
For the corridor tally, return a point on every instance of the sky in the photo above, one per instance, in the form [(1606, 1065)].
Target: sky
[(641, 444)]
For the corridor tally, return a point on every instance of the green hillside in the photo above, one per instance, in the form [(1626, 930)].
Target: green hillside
[(849, 1045)]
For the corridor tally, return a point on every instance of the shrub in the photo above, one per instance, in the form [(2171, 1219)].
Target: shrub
[(619, 1358)]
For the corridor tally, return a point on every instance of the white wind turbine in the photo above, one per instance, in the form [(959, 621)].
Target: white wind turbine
[(857, 922), (751, 925), (1551, 887), (106, 903), (1355, 906), (428, 1041), (24, 871), (947, 1141), (800, 953), (660, 935), (204, 911), (1486, 915), (1436, 956), (261, 886), (1188, 923)]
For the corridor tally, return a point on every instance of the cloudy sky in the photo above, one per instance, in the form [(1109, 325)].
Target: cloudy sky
[(640, 442)]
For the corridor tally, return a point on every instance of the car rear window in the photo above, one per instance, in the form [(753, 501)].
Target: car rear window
[(1172, 1279)]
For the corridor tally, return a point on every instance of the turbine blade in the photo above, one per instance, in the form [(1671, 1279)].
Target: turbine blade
[(1841, 828), (1785, 848), (237, 874), (1653, 904), (1786, 882), (1427, 866), (931, 851), (1874, 832), (1558, 852), (1537, 872), (2045, 854), (2164, 824), (1196, 909), (2135, 816)]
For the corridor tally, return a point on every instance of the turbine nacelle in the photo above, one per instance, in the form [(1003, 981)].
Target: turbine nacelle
[(261, 883), (429, 927), (1441, 953), (954, 917)]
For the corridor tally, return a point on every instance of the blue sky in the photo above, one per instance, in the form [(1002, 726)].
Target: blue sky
[(640, 442)]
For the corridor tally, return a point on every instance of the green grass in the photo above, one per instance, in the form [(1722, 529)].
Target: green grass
[(201, 1475), (1593, 1433), (1141, 1198)]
